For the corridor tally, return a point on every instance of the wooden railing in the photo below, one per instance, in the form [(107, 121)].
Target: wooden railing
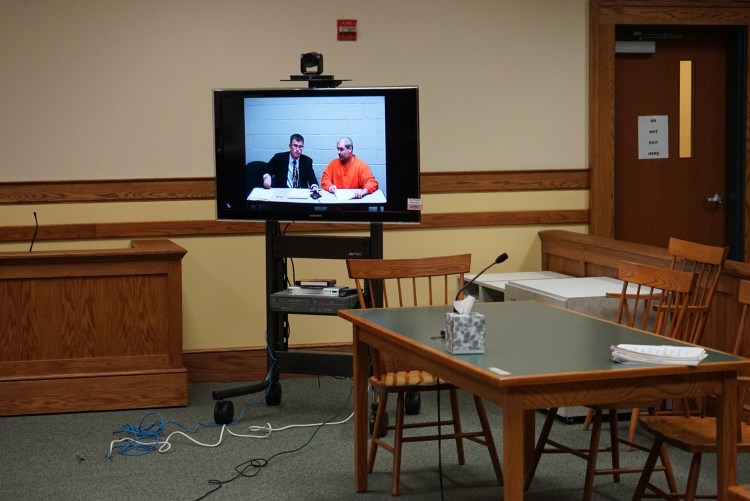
[(587, 255)]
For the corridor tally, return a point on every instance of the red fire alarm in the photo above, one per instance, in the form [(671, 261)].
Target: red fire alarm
[(346, 30)]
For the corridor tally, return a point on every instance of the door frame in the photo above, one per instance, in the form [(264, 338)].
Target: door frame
[(604, 16)]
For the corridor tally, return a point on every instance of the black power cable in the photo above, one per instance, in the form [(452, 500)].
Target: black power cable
[(253, 467)]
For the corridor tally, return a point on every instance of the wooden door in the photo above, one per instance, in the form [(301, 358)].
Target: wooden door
[(668, 197)]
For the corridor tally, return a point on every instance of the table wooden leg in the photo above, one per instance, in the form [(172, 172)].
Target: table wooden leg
[(514, 440), (529, 444), (726, 434), (361, 414)]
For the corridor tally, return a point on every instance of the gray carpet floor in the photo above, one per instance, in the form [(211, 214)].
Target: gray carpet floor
[(67, 456)]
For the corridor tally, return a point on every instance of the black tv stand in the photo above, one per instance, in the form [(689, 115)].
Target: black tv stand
[(279, 358)]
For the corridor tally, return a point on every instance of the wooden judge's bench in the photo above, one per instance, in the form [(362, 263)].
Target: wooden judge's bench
[(85, 330), (582, 255)]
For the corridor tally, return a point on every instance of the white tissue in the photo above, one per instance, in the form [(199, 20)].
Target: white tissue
[(464, 306)]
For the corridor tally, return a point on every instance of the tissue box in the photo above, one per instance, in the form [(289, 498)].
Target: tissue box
[(464, 333)]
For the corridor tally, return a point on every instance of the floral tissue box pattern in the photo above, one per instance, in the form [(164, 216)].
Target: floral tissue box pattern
[(464, 333)]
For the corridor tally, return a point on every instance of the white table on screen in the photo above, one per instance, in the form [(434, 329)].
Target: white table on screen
[(289, 195)]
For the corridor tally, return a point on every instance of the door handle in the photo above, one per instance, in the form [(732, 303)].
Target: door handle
[(713, 202)]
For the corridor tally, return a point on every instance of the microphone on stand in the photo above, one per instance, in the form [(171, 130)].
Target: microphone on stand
[(499, 259)]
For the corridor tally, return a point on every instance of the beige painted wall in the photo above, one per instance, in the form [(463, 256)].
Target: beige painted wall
[(105, 89)]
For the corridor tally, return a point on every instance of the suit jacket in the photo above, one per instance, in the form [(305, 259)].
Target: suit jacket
[(278, 167)]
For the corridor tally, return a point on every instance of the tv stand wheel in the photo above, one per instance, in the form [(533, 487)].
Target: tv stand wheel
[(383, 430), (223, 412), (273, 395), (412, 403)]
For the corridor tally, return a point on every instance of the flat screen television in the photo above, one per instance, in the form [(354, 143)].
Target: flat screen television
[(254, 126)]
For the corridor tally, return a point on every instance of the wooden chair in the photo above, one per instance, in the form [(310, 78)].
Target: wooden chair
[(697, 434), (659, 305), (414, 282), (707, 262)]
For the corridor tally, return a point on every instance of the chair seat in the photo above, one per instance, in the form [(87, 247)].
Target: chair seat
[(408, 380), (695, 434)]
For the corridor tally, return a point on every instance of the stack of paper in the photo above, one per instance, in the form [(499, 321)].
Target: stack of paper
[(658, 354), (260, 194), (345, 194)]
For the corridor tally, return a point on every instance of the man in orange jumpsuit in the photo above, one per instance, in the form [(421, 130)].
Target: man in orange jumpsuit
[(348, 171)]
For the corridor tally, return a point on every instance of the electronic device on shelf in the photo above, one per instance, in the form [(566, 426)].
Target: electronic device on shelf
[(251, 125), (309, 303)]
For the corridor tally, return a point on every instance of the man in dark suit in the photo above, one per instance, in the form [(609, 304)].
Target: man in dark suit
[(291, 169)]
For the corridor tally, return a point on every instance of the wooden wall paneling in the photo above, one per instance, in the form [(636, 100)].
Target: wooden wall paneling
[(163, 229), (122, 190), (139, 190), (478, 181), (601, 123), (242, 364), (93, 393)]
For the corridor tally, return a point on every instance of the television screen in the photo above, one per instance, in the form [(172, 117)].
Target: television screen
[(317, 154)]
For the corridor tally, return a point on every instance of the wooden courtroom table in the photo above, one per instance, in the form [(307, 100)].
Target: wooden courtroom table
[(578, 371)]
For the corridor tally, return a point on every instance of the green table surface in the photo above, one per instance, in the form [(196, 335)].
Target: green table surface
[(531, 339)]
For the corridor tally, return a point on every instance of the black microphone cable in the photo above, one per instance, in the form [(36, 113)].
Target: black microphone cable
[(36, 229)]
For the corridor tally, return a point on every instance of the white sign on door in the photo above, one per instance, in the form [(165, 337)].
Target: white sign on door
[(653, 137)]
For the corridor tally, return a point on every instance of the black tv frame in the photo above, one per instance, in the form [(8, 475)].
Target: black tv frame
[(401, 149)]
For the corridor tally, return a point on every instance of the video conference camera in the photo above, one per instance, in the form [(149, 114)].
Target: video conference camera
[(311, 63), (311, 69)]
